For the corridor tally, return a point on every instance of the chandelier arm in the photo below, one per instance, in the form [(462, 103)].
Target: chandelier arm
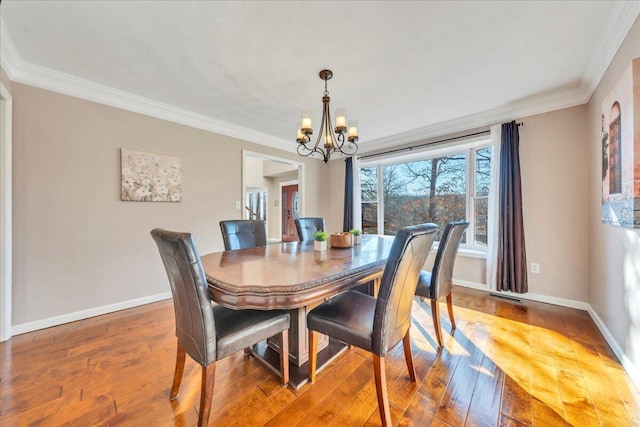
[(304, 147), (311, 151), (351, 149)]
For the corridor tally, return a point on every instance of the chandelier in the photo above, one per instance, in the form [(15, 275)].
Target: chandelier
[(327, 143)]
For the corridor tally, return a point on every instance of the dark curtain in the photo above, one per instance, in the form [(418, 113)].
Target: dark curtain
[(347, 222), (512, 258)]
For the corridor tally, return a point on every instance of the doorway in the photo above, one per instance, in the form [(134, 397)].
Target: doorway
[(267, 174), (290, 211), (5, 213)]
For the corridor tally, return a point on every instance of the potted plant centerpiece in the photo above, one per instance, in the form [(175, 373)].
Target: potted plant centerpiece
[(356, 233), (320, 243)]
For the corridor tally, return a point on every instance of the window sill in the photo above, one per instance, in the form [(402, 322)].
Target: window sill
[(467, 253), (472, 253)]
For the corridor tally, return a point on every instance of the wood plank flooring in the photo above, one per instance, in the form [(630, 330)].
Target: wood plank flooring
[(506, 364)]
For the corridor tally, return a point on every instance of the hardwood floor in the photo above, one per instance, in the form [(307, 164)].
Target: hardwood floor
[(507, 363)]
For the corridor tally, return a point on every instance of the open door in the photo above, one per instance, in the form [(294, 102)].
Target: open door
[(290, 211)]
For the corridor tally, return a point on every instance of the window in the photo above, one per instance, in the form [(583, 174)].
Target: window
[(369, 196), (436, 186), (256, 205), (480, 206)]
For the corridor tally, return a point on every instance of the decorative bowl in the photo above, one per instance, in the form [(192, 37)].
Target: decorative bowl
[(341, 240)]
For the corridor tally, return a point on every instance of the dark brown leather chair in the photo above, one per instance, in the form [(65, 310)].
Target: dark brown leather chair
[(205, 330), (377, 324), (243, 233), (436, 284), (307, 227)]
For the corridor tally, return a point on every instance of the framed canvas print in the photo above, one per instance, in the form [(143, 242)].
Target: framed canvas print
[(150, 177), (621, 150)]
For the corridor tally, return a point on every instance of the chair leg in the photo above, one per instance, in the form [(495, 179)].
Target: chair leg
[(435, 313), (406, 342), (381, 390), (177, 375), (450, 308), (284, 357), (206, 393), (313, 355)]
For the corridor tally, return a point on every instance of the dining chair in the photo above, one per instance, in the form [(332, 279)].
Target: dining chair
[(243, 233), (307, 227), (377, 324), (436, 284), (205, 330)]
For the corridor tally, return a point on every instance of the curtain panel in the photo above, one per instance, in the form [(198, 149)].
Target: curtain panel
[(347, 221), (511, 272)]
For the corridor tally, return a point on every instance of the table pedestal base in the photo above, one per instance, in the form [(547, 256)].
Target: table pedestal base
[(298, 375)]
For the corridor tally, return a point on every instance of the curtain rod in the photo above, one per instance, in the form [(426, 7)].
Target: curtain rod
[(426, 144)]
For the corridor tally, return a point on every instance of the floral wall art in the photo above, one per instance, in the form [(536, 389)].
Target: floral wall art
[(621, 150), (150, 177)]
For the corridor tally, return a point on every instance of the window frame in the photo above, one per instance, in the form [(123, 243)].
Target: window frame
[(467, 147)]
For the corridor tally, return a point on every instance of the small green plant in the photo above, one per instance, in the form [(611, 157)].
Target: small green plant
[(355, 231), (320, 235)]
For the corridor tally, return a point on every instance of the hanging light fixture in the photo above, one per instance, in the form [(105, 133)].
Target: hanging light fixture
[(330, 143)]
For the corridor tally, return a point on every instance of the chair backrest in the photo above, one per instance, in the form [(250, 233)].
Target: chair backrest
[(442, 272), (307, 227), (243, 233), (195, 325), (399, 280)]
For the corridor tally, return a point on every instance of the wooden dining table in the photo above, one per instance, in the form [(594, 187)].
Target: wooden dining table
[(293, 276)]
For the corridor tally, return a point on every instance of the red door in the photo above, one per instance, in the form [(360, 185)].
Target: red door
[(289, 212)]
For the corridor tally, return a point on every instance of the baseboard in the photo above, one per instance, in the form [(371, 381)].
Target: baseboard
[(85, 314), (627, 364), (528, 296)]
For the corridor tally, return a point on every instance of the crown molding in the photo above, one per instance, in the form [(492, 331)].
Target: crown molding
[(529, 107), (8, 54), (621, 19), (22, 72)]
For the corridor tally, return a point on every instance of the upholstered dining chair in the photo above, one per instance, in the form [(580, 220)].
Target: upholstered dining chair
[(243, 233), (436, 284), (377, 324), (307, 227), (205, 330)]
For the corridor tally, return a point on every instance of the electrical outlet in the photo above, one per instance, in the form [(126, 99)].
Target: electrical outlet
[(535, 267), (237, 204)]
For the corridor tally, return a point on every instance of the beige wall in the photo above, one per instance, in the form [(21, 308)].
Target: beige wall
[(554, 164), (335, 182), (76, 245), (253, 174), (614, 251)]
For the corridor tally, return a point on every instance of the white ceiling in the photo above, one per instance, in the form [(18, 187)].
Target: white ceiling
[(405, 69)]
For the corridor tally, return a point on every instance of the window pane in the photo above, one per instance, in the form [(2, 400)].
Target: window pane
[(432, 190), (369, 185), (483, 165), (370, 218), (481, 205)]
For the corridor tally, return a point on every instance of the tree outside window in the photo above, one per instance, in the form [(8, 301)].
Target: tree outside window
[(438, 189)]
